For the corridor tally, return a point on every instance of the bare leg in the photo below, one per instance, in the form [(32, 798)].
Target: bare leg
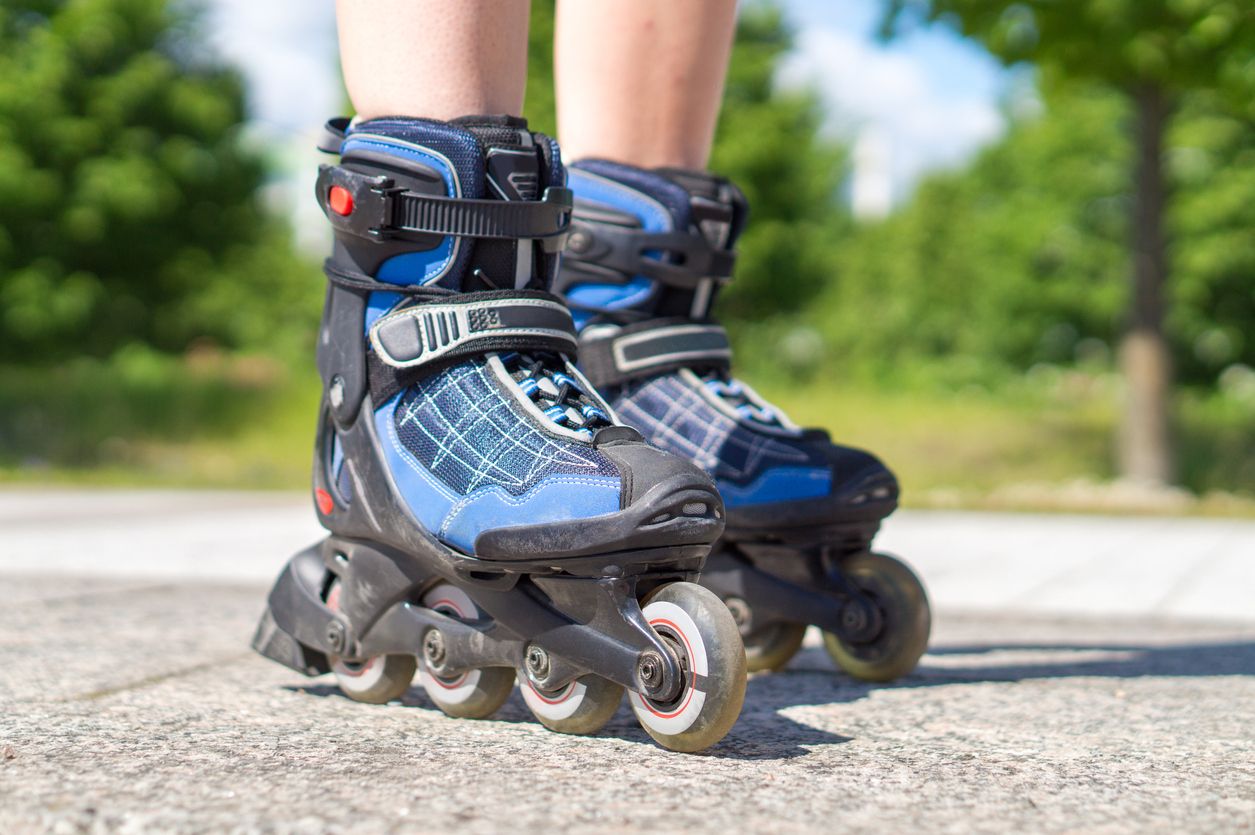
[(641, 81), (434, 58)]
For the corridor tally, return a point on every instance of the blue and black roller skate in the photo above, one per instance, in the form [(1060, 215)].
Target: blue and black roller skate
[(647, 253), (490, 518)]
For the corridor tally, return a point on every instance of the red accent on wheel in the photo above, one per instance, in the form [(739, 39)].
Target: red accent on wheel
[(453, 685), (323, 499), (361, 669), (649, 705), (448, 604), (566, 694), (340, 201)]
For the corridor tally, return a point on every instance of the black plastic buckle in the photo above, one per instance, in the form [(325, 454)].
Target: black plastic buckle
[(370, 201), (380, 219)]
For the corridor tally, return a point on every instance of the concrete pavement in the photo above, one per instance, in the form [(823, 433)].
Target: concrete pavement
[(972, 562), (129, 700)]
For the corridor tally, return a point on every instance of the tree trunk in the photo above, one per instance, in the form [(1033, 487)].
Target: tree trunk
[(1146, 448)]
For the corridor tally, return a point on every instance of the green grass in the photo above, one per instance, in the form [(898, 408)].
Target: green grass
[(143, 419), (1042, 441), (973, 441), (1045, 441)]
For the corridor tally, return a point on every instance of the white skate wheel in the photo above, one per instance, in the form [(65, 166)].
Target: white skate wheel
[(376, 680), (703, 635), (669, 620), (584, 706), (473, 694)]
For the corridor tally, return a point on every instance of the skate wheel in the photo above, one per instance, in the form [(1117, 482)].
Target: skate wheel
[(904, 606), (474, 694), (701, 631), (376, 680), (582, 707), (771, 647)]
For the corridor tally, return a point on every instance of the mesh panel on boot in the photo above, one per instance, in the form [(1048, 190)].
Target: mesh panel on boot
[(465, 430)]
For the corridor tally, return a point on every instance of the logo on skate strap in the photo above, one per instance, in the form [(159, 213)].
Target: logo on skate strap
[(482, 319)]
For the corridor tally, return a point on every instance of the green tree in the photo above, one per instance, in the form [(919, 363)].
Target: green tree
[(1152, 52), (1001, 265), (769, 143), (130, 208)]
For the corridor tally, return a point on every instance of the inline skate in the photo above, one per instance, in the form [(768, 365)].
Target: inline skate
[(490, 520), (647, 253)]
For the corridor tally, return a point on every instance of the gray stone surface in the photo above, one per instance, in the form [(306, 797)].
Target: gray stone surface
[(975, 562), (134, 705)]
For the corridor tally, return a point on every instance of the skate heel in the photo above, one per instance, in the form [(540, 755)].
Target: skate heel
[(272, 642), (277, 633)]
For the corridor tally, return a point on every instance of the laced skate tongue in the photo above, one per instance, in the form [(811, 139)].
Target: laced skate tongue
[(733, 392), (560, 396)]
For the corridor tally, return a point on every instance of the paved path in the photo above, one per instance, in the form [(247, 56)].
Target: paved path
[(129, 701), (972, 562)]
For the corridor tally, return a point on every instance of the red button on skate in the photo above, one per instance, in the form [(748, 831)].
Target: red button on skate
[(340, 201), (325, 504)]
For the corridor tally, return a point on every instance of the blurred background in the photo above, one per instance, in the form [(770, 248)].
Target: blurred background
[(1010, 246)]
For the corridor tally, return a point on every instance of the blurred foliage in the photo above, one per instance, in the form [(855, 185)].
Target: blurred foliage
[(769, 143), (1010, 261), (1175, 45), (1212, 223), (1020, 257), (1156, 54), (135, 245), (131, 209), (204, 418)]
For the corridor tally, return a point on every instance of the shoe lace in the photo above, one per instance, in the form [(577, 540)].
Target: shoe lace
[(741, 398), (561, 397)]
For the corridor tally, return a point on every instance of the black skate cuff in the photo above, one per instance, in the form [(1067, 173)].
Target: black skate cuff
[(653, 347), (374, 207), (690, 258)]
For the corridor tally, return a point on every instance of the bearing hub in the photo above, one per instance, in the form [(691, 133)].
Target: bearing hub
[(860, 620), (433, 648), (740, 613), (652, 673), (335, 635), (537, 663)]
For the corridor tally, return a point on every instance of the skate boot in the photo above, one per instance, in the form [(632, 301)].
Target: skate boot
[(647, 253), (489, 517)]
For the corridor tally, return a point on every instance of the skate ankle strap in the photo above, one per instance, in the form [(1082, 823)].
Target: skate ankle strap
[(435, 334), (653, 347), (375, 207), (678, 259)]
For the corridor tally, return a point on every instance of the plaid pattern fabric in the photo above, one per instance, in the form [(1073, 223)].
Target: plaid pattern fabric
[(673, 416), (462, 427)]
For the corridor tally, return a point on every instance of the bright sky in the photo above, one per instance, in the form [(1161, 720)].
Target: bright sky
[(932, 97)]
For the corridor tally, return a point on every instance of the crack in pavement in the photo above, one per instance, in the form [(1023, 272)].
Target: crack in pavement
[(158, 678), (147, 588)]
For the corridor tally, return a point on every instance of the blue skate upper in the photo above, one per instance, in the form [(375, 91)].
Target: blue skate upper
[(468, 459), (752, 462), (482, 444), (752, 452)]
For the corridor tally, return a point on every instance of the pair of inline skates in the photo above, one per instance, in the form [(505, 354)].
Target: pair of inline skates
[(641, 521)]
